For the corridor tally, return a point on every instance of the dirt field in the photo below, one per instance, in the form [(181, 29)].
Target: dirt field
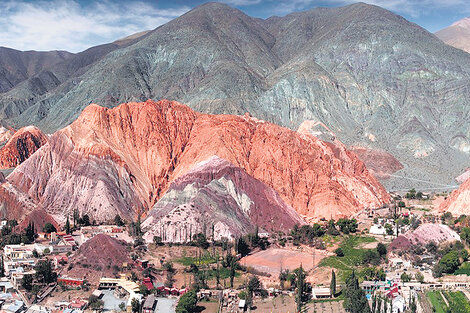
[(286, 304)]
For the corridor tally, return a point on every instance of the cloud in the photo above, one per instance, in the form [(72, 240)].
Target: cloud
[(67, 25), (413, 8)]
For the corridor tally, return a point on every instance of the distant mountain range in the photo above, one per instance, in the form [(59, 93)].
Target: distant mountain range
[(457, 34), (376, 80)]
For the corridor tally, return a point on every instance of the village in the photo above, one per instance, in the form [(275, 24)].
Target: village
[(394, 253)]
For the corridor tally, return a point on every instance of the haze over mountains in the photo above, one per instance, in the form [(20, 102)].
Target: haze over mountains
[(376, 80)]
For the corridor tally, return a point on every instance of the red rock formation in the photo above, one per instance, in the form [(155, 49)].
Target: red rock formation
[(458, 202), (380, 163), (21, 146), (122, 160), (39, 218)]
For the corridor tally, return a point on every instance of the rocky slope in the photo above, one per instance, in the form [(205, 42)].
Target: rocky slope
[(123, 160), (458, 202), (372, 77), (457, 34), (217, 195), (21, 146), (17, 66), (380, 163), (39, 218)]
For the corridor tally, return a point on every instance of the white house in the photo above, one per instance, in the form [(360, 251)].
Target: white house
[(377, 229), (398, 304)]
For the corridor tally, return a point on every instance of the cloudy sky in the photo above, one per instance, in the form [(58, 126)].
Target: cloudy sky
[(75, 25)]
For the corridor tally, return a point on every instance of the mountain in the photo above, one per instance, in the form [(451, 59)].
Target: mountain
[(123, 160), (458, 202), (373, 78), (17, 66), (215, 192), (457, 34), (21, 146)]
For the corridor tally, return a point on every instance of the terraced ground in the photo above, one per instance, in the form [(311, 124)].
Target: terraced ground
[(442, 301)]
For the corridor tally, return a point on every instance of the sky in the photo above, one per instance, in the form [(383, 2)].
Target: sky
[(74, 25)]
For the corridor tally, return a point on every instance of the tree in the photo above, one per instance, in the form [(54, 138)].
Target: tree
[(122, 306), (339, 252), (187, 303), (242, 247), (233, 266), (333, 283), (381, 249), (85, 220), (44, 272), (144, 290), (419, 277), (76, 216), (27, 282), (283, 277), (29, 233), (405, 278), (389, 229), (355, 298), (201, 241), (300, 284), (253, 285), (450, 262), (68, 229), (118, 220), (157, 240), (49, 228), (95, 303), (135, 304), (2, 267)]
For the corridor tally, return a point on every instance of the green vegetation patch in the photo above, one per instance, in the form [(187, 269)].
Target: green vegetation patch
[(437, 302), (458, 302), (464, 269), (353, 256), (203, 260)]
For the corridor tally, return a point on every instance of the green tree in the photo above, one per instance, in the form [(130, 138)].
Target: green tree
[(68, 229), (44, 272), (300, 284), (157, 240), (49, 228), (333, 283), (339, 252), (76, 216), (135, 304), (27, 282), (355, 298), (118, 220), (122, 306), (187, 303), (381, 249), (283, 277), (233, 266), (201, 241), (450, 262), (95, 303), (405, 278), (30, 233), (419, 277), (389, 229), (2, 267), (242, 247), (143, 290)]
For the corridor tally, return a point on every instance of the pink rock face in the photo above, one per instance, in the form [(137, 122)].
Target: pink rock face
[(122, 160), (39, 218), (21, 146), (458, 202), (426, 233), (217, 194), (380, 163)]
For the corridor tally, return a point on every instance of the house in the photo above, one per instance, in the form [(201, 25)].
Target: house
[(150, 304), (321, 293), (147, 282), (6, 286), (14, 307), (398, 304), (142, 263), (69, 281), (242, 305), (377, 229)]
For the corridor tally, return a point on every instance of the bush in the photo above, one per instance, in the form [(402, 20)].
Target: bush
[(339, 252)]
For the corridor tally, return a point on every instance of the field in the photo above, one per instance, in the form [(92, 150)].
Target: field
[(352, 254), (464, 269), (458, 302), (437, 302)]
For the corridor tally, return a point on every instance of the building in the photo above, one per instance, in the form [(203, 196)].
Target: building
[(398, 304), (321, 293), (15, 306), (6, 286), (377, 229), (150, 304), (142, 263), (69, 281)]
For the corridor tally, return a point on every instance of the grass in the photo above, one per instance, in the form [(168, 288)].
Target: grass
[(458, 302), (464, 269), (352, 255), (206, 259), (437, 302)]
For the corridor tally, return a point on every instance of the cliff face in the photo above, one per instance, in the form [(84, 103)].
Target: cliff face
[(21, 146), (458, 202), (215, 192), (122, 160)]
